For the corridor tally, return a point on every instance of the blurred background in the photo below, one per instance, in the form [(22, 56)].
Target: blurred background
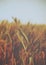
[(33, 11)]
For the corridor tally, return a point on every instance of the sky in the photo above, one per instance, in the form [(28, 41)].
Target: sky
[(33, 11)]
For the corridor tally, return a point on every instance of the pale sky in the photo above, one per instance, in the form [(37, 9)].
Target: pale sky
[(25, 10)]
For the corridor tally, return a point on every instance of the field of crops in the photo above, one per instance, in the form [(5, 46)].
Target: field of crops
[(22, 44)]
